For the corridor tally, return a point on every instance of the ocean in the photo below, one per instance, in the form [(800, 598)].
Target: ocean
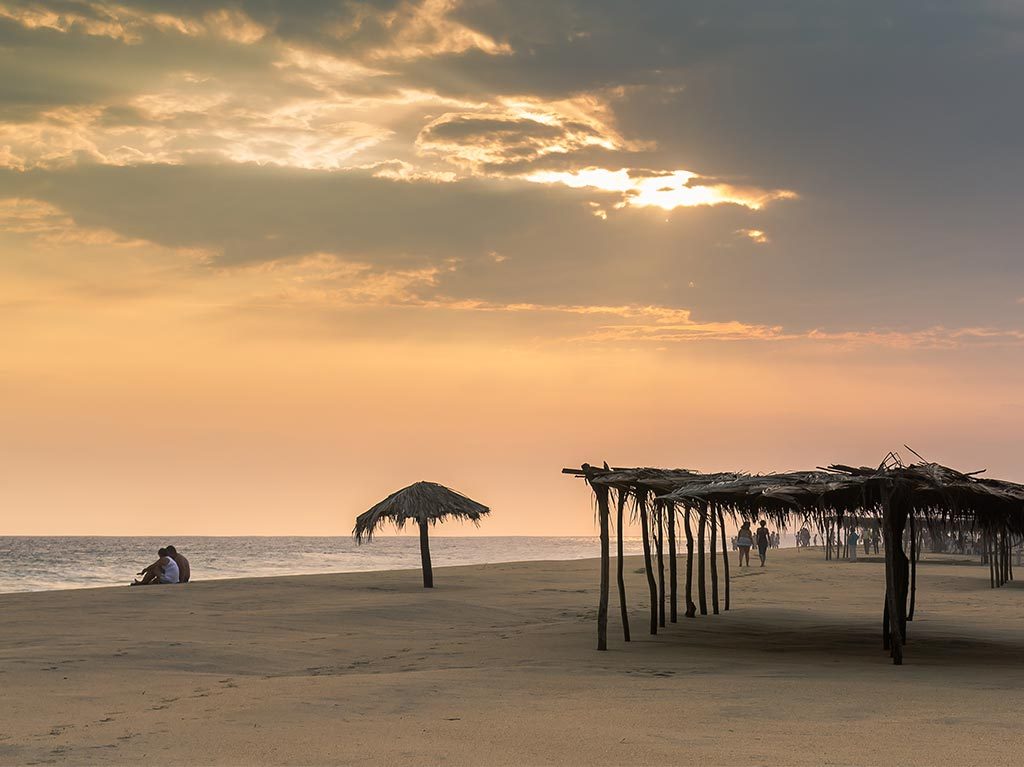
[(45, 563)]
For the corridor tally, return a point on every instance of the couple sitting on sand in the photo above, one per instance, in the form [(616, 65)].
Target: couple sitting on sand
[(171, 567)]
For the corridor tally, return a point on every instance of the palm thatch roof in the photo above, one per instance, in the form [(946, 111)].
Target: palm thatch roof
[(940, 495), (420, 502)]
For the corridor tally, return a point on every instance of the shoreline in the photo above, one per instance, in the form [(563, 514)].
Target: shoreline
[(333, 573), (34, 564)]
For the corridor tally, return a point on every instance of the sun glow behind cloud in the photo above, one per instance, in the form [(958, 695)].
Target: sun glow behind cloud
[(674, 189)]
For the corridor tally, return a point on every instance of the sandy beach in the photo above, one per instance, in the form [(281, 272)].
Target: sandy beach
[(497, 666)]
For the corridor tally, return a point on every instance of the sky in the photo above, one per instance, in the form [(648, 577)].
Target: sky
[(264, 262)]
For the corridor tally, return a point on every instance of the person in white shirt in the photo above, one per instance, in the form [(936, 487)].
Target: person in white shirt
[(164, 570)]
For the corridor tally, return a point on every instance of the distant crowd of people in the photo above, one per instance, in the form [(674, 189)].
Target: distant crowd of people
[(765, 539), (170, 567), (870, 539)]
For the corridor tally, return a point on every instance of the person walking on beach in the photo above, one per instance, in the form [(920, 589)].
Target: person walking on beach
[(763, 539), (164, 570), (744, 540), (184, 571), (852, 539)]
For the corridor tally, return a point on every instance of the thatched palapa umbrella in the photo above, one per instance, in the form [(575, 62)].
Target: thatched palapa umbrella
[(425, 503)]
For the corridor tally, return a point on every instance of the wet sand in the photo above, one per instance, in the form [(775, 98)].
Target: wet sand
[(497, 666)]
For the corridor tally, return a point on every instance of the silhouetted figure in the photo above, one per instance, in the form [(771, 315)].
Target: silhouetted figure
[(184, 571), (164, 570), (744, 540), (763, 539)]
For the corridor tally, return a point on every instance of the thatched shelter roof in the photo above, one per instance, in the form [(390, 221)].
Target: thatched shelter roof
[(420, 502), (937, 493)]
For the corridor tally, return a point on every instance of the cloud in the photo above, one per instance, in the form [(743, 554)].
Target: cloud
[(130, 25), (520, 132), (48, 224), (415, 30), (190, 120)]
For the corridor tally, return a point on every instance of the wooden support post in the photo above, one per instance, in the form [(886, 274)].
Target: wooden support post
[(652, 586), (691, 607), (885, 622), (713, 556), (659, 516), (702, 592), (621, 582), (913, 566), (841, 552), (1006, 557), (601, 491), (892, 532), (999, 558), (725, 554), (990, 548), (673, 574)]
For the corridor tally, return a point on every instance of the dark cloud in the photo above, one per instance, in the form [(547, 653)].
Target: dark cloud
[(825, 266)]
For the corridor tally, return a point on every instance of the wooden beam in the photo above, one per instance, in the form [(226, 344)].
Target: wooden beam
[(673, 574), (713, 556), (659, 517), (725, 555), (893, 539), (913, 567), (621, 583), (702, 592), (691, 608), (641, 501), (602, 607)]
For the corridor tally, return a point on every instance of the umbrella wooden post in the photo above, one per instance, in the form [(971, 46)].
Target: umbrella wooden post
[(621, 583), (725, 555), (713, 557), (428, 572), (602, 608), (702, 594), (652, 586), (691, 608), (659, 516), (673, 575)]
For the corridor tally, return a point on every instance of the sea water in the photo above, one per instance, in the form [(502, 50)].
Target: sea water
[(32, 563)]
